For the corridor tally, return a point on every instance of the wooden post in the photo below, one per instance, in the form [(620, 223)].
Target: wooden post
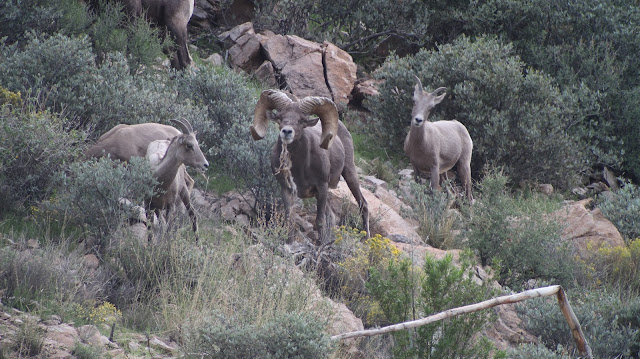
[(572, 320)]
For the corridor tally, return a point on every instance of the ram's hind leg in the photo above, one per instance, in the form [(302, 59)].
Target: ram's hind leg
[(351, 177)]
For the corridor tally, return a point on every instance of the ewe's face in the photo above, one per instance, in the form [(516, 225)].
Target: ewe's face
[(292, 122), (190, 152), (423, 104)]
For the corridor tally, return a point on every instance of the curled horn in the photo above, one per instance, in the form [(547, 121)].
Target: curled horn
[(269, 100), (183, 124), (326, 109)]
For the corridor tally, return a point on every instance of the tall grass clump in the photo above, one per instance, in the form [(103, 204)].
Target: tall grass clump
[(208, 296), (433, 211), (519, 234), (408, 293), (49, 279), (34, 144)]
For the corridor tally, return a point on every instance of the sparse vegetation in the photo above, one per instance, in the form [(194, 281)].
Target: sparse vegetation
[(544, 100)]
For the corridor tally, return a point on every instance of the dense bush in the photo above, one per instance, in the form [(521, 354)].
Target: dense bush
[(609, 322), (535, 351), (292, 335), (229, 100), (113, 31), (356, 26), (17, 17), (407, 295), (518, 234), (516, 118), (93, 97), (90, 193), (623, 209), (33, 146), (592, 44)]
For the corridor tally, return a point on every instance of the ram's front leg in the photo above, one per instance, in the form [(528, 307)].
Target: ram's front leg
[(287, 201), (435, 178), (323, 216)]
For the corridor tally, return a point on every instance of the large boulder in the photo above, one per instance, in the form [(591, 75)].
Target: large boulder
[(382, 218), (587, 227), (304, 67)]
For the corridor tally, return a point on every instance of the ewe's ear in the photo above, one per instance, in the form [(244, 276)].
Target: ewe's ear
[(438, 99)]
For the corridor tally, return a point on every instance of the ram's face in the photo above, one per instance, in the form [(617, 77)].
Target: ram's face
[(291, 124)]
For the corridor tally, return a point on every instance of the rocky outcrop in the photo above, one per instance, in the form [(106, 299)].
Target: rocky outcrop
[(586, 227), (304, 67)]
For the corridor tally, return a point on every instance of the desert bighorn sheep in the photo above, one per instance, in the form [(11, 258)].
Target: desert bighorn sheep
[(168, 159), (435, 147), (125, 141), (319, 153)]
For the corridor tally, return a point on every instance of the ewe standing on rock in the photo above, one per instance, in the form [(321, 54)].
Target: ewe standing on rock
[(309, 157), (435, 147)]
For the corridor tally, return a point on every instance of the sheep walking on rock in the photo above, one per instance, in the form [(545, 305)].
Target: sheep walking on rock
[(436, 147), (319, 153), (168, 150)]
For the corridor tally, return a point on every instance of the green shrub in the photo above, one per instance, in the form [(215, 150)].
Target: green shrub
[(590, 44), (33, 146), (29, 339), (86, 351), (623, 209), (534, 351), (17, 17), (90, 193), (92, 97), (113, 31), (405, 295), (609, 322), (433, 212), (292, 335), (516, 118), (46, 63), (616, 267), (230, 99), (517, 233)]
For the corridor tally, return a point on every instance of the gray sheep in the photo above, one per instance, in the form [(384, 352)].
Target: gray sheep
[(436, 147), (319, 152)]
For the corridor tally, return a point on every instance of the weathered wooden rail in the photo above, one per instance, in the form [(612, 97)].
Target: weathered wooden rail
[(563, 302)]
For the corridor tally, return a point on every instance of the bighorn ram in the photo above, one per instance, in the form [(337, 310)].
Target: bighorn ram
[(435, 147), (319, 153), (125, 141)]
